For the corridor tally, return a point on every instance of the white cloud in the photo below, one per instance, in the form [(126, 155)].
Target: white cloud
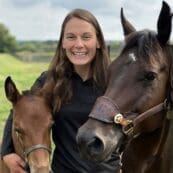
[(41, 19)]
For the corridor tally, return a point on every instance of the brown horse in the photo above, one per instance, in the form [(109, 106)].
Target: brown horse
[(132, 115), (32, 121)]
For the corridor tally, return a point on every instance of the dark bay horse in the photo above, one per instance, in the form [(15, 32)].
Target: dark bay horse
[(132, 116), (32, 121)]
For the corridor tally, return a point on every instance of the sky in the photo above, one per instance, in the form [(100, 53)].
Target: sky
[(42, 19)]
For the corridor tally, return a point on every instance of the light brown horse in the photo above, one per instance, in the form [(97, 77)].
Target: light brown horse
[(133, 111), (32, 121)]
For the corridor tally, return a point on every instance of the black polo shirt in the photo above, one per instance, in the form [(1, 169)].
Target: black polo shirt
[(66, 158)]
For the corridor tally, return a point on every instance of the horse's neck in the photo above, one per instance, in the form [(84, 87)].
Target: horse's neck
[(167, 148), (141, 151), (153, 137), (144, 154), (145, 142)]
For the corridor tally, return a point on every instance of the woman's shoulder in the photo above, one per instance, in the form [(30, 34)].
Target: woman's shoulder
[(39, 82)]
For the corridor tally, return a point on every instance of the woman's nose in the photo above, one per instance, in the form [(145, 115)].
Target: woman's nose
[(78, 43)]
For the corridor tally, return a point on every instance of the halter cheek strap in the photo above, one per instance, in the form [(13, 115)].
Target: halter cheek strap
[(106, 110)]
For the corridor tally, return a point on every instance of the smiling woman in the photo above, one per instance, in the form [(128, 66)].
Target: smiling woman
[(80, 43)]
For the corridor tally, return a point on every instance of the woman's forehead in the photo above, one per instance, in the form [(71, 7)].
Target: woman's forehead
[(76, 25)]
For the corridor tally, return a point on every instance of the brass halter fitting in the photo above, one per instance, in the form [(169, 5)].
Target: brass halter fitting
[(119, 119), (127, 125)]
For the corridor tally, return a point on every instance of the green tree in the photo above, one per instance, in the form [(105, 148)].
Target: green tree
[(7, 41)]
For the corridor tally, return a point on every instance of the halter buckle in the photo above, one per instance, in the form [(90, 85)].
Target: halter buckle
[(128, 129)]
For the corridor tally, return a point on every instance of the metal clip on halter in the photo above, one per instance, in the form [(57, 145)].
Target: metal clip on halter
[(127, 125)]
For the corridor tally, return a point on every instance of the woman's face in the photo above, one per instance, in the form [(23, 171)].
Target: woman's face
[(80, 42)]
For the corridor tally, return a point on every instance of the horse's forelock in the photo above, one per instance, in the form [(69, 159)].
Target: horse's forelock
[(30, 93), (27, 93), (144, 42)]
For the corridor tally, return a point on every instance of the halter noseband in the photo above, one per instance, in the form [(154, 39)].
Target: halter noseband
[(26, 152), (35, 147), (106, 110)]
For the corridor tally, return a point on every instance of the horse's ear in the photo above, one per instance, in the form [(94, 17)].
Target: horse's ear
[(11, 91), (164, 24), (127, 26)]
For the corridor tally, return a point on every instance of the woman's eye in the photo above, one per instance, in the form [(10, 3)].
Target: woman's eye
[(150, 76), (70, 37), (86, 37), (51, 124)]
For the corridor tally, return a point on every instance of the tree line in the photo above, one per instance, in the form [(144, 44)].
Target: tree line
[(7, 41), (9, 44)]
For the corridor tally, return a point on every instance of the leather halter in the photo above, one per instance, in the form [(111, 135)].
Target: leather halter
[(26, 152), (107, 111), (35, 147)]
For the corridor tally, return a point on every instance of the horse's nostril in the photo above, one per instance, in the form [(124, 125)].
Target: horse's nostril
[(95, 146)]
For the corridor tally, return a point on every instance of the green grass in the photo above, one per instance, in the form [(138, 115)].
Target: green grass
[(23, 74)]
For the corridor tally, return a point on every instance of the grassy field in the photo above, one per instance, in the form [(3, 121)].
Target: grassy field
[(24, 74)]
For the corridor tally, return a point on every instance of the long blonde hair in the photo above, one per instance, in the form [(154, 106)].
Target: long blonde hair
[(61, 68)]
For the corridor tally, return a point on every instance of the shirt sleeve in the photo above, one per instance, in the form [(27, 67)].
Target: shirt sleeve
[(7, 143), (7, 146), (40, 80)]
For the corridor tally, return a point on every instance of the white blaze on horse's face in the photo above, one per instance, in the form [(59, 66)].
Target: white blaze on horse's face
[(132, 57)]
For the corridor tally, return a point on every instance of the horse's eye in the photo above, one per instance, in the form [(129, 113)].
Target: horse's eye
[(51, 124), (150, 76)]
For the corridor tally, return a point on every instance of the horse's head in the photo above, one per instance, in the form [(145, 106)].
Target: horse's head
[(32, 121), (138, 81)]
